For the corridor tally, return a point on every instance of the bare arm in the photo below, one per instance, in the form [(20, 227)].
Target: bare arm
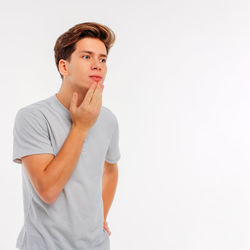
[(109, 183), (60, 169), (49, 173)]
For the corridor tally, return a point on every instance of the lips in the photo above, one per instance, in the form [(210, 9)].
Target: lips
[(96, 78)]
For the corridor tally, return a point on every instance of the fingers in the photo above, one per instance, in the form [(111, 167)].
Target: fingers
[(108, 232), (97, 96), (107, 228), (89, 93), (73, 103)]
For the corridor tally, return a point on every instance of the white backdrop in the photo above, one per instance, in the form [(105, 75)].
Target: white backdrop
[(178, 82)]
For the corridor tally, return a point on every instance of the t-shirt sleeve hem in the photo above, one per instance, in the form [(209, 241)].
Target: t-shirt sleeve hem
[(17, 157), (113, 161)]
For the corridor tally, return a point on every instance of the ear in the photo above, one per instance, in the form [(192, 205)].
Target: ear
[(63, 67)]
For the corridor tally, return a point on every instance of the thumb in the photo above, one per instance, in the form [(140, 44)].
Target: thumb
[(73, 103)]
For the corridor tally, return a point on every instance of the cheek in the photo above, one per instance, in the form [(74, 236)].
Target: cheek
[(81, 68)]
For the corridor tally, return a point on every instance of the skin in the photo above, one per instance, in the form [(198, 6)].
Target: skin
[(76, 72)]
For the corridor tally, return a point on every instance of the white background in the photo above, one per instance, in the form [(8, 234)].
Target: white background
[(178, 82)]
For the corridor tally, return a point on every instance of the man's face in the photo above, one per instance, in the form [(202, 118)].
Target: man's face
[(88, 59)]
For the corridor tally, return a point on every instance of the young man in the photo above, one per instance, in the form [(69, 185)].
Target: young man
[(68, 145)]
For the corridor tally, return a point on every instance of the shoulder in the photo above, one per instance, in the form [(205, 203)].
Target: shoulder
[(109, 115), (31, 112), (111, 121)]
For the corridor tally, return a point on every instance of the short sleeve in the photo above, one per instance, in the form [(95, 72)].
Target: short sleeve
[(113, 154), (30, 135)]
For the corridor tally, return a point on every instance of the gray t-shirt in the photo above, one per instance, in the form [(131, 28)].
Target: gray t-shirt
[(75, 220)]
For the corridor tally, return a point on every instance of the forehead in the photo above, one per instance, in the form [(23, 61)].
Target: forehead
[(91, 44)]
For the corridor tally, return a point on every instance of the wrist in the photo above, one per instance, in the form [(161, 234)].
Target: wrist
[(80, 130)]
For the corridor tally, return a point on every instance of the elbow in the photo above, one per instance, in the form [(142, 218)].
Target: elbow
[(48, 197), (48, 193)]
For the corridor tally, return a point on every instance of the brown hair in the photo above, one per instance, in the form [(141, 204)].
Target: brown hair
[(65, 44)]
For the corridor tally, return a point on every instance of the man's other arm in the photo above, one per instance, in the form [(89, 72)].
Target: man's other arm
[(109, 184)]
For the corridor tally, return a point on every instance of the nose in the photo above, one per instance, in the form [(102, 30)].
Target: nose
[(96, 65)]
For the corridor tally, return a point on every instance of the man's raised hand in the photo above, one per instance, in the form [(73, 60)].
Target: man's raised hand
[(86, 114)]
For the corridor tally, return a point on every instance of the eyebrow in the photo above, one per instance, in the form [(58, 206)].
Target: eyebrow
[(91, 52)]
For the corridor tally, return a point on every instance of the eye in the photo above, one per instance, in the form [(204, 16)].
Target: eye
[(85, 55), (104, 60)]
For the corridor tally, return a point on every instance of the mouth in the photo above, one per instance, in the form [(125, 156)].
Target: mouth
[(96, 78)]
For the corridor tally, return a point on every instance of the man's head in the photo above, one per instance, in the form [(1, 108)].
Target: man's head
[(82, 52)]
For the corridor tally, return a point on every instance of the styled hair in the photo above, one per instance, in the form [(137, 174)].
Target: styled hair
[(65, 44)]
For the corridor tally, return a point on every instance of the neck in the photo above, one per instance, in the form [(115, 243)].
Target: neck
[(66, 91)]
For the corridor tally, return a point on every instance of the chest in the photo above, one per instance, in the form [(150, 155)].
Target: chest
[(93, 151)]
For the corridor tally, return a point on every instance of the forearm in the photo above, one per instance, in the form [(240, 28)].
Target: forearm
[(60, 169), (109, 184)]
